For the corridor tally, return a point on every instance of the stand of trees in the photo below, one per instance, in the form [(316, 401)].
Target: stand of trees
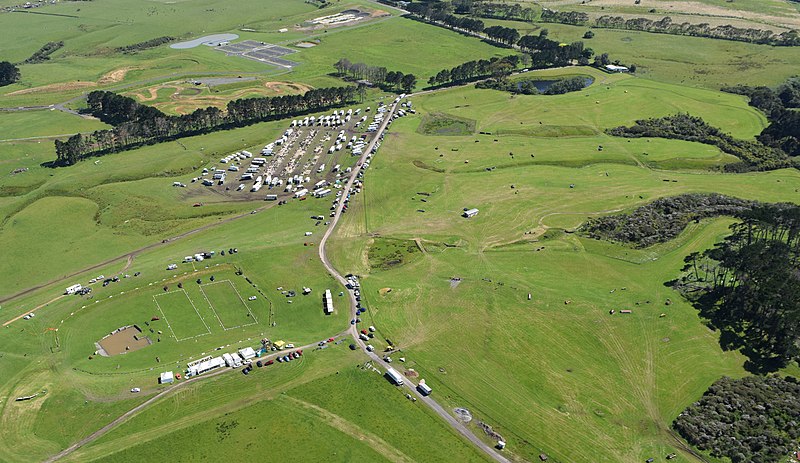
[(505, 35), (139, 125), (8, 73), (152, 43), (753, 155), (494, 10), (472, 70), (663, 219), (43, 54), (550, 53), (748, 286), (387, 80), (780, 107), (750, 419)]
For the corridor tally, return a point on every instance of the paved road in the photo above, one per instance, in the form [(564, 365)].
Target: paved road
[(353, 331)]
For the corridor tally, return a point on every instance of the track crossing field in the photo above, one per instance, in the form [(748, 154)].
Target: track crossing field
[(226, 302), (181, 315)]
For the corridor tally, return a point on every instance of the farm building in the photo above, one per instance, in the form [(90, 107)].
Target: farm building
[(470, 213), (327, 301), (394, 376), (166, 378), (247, 353)]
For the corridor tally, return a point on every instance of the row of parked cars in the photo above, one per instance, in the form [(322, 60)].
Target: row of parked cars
[(286, 358)]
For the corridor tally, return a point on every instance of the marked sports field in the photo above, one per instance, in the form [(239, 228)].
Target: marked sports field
[(181, 315), (229, 306)]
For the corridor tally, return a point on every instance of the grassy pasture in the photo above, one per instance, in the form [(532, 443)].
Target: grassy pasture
[(557, 364), (321, 406), (687, 61)]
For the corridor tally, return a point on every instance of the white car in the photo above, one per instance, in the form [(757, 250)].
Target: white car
[(251, 298), (136, 389), (290, 346)]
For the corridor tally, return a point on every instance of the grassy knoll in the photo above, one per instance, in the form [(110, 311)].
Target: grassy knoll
[(557, 364)]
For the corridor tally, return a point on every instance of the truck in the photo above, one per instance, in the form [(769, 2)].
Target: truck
[(423, 388), (393, 375)]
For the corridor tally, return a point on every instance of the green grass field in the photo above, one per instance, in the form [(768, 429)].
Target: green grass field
[(552, 373), (228, 305), (181, 315), (507, 360)]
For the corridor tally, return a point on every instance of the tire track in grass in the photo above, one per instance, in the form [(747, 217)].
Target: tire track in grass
[(351, 429)]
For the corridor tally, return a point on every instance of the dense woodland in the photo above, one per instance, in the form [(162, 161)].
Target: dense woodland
[(663, 219), (8, 73), (43, 54), (380, 76), (754, 155), (753, 419), (748, 286), (780, 106), (137, 124)]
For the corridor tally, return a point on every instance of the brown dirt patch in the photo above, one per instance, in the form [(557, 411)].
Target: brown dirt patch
[(114, 76), (125, 340), (54, 88), (384, 291), (281, 87)]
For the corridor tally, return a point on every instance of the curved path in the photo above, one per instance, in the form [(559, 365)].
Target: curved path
[(353, 331)]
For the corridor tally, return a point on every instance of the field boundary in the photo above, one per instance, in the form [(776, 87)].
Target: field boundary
[(166, 319), (255, 320)]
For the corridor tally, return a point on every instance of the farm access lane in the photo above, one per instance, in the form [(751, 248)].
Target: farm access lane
[(353, 330)]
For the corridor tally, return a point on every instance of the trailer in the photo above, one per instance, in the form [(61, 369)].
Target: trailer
[(322, 193), (271, 198), (300, 193), (423, 388), (393, 375)]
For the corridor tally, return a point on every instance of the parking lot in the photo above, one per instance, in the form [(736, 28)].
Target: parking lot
[(311, 158)]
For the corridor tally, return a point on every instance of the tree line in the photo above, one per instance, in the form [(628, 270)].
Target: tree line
[(43, 54), (665, 25), (152, 43), (748, 286), (753, 155), (438, 13), (493, 10), (755, 418), (387, 80), (472, 70), (137, 125), (780, 106)]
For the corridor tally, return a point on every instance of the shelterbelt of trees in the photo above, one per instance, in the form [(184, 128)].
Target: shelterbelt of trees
[(137, 124), (666, 26)]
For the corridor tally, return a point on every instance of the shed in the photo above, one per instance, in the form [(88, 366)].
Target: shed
[(166, 378)]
